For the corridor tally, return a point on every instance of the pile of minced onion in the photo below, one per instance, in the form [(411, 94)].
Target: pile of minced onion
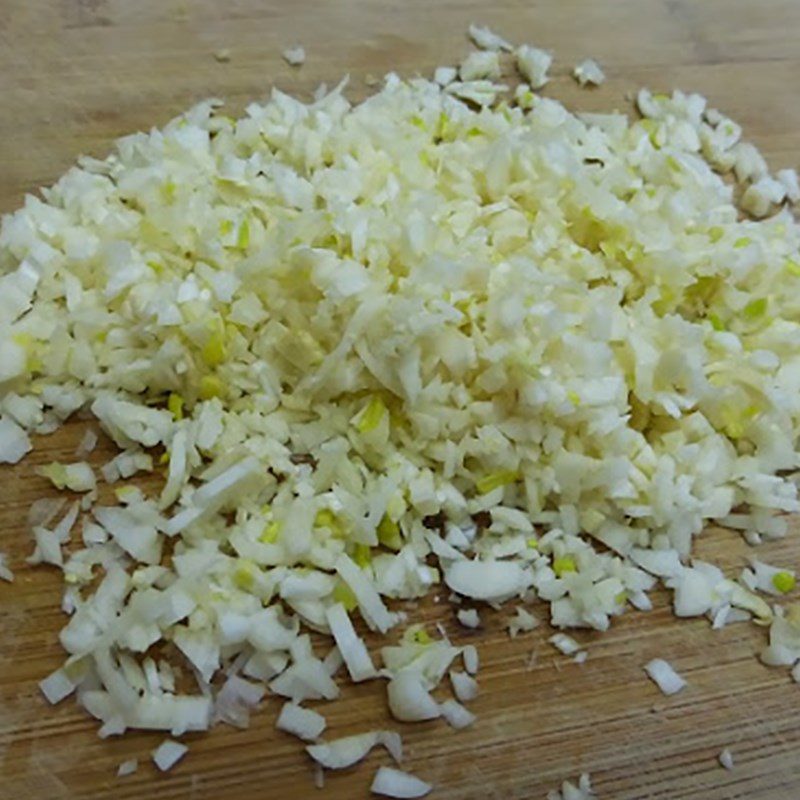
[(444, 338)]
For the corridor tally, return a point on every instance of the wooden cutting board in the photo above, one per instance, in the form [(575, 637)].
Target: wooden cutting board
[(75, 74)]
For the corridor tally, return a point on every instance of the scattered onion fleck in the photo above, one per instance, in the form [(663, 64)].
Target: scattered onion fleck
[(664, 676), (168, 753)]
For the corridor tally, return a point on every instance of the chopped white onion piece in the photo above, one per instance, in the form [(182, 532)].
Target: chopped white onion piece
[(306, 679), (456, 715), (694, 593), (352, 648), (483, 64), (471, 662), (235, 699), (533, 64), (564, 644), (135, 535), (445, 75), (468, 617), (569, 791), (664, 563), (349, 750), (390, 782), (87, 443), (14, 442), (372, 608), (168, 753), (175, 713), (664, 676), (56, 686), (301, 722), (487, 39), (487, 580), (409, 700), (333, 661), (522, 622), (5, 571), (48, 548), (127, 767), (77, 477), (465, 687), (589, 72), (294, 56)]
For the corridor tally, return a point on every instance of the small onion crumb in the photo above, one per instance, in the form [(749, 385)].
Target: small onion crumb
[(468, 617), (391, 782), (168, 753), (127, 767), (294, 56), (588, 72), (664, 676), (471, 660), (569, 791)]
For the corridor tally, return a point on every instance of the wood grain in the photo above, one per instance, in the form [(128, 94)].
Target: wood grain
[(74, 74)]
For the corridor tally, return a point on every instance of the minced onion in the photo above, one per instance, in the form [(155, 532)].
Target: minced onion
[(542, 348)]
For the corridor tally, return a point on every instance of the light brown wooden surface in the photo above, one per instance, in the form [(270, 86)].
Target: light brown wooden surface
[(74, 74)]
